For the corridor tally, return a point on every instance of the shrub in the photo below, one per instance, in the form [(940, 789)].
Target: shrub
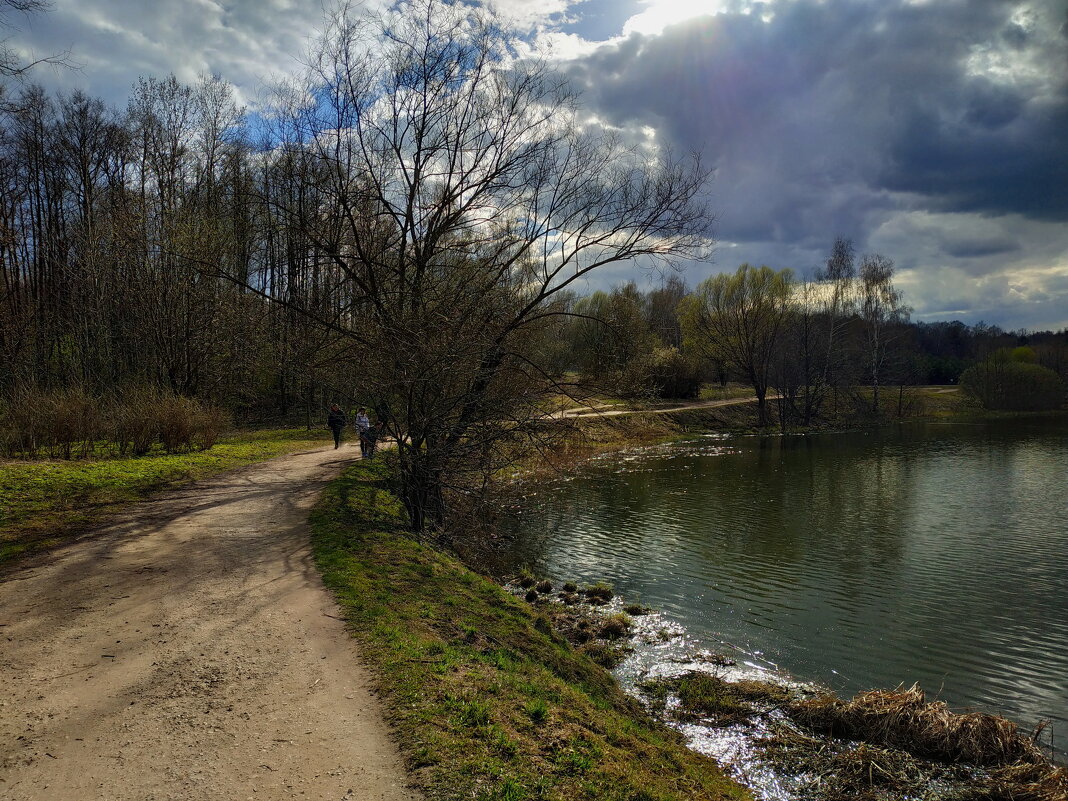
[(135, 420), (71, 422), (70, 418), (59, 422), (176, 422), (665, 373), (208, 426), (19, 434), (1000, 383)]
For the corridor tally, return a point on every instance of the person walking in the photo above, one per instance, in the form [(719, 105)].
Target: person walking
[(374, 434), (363, 425), (335, 421)]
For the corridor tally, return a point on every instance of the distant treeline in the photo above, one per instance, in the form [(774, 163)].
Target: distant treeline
[(152, 246), (837, 338)]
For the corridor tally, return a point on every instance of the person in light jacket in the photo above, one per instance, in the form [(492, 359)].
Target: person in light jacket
[(363, 424)]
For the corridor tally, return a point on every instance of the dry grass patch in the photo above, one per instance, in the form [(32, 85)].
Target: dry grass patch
[(906, 744)]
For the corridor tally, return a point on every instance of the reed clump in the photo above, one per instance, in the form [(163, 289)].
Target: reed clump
[(827, 770), (1024, 782), (906, 743), (903, 718)]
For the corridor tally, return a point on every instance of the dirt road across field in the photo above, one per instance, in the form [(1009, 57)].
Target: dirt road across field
[(189, 651), (607, 410)]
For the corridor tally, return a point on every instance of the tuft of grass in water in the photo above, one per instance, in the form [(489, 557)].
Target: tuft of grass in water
[(720, 702), (599, 593), (487, 700), (615, 626), (48, 502)]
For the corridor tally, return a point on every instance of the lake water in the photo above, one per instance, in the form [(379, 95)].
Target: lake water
[(925, 553)]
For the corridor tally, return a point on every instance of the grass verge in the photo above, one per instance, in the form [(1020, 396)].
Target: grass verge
[(48, 502), (489, 702)]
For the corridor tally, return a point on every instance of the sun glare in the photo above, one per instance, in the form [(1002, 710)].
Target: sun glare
[(659, 14)]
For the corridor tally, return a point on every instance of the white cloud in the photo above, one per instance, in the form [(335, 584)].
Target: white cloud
[(528, 15), (659, 14), (247, 42)]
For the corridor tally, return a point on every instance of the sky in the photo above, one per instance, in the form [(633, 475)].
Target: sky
[(934, 132)]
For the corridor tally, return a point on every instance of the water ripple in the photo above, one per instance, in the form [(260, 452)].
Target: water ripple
[(936, 554)]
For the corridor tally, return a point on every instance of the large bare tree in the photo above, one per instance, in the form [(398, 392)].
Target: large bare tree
[(451, 190)]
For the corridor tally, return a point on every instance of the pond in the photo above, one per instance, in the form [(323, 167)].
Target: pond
[(922, 553)]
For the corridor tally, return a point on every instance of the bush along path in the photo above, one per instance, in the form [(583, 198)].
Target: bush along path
[(489, 701), (189, 651)]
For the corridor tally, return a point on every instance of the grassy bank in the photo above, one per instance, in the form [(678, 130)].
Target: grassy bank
[(488, 701), (47, 502)]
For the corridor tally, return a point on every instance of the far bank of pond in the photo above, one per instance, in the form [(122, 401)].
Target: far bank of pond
[(935, 553)]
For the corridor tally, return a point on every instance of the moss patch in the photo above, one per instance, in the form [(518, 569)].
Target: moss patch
[(46, 502), (488, 700)]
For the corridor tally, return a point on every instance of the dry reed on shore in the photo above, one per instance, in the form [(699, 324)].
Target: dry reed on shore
[(827, 770), (905, 719), (1024, 782)]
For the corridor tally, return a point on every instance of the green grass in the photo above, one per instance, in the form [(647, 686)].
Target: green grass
[(46, 502), (486, 703)]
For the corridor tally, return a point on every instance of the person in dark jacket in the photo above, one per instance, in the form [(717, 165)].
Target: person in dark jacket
[(336, 422)]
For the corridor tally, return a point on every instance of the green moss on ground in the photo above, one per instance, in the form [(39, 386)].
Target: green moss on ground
[(47, 502), (487, 704)]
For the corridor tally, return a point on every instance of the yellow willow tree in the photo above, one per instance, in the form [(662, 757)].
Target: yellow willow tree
[(739, 320), (452, 192)]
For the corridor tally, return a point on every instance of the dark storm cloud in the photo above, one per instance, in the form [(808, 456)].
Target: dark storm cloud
[(968, 247), (823, 116)]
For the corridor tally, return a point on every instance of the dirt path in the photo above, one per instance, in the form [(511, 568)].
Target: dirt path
[(189, 652)]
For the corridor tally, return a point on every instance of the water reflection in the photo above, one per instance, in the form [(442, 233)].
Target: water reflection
[(936, 554)]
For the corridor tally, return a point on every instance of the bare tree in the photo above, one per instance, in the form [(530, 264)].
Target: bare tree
[(451, 191), (11, 65), (839, 304), (881, 311)]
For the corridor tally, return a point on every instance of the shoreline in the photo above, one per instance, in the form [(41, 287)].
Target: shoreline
[(488, 700), (731, 709), (1056, 783), (492, 698)]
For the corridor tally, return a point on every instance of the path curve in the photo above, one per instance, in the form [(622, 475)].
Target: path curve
[(190, 651), (682, 406)]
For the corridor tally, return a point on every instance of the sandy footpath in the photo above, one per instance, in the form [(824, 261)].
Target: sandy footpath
[(191, 652)]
